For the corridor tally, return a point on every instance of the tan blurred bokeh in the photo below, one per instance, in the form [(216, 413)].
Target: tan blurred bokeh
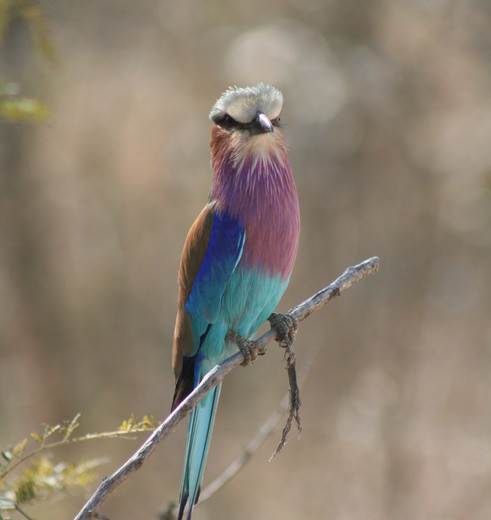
[(388, 119)]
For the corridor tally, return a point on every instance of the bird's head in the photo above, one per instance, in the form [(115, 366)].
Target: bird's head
[(246, 122), (253, 110)]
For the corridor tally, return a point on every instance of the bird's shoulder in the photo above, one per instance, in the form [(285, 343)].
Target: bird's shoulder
[(194, 250)]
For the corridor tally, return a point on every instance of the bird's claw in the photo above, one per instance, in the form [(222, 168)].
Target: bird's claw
[(247, 347), (286, 327)]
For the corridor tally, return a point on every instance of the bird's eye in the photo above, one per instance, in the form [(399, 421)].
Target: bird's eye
[(227, 121), (276, 121)]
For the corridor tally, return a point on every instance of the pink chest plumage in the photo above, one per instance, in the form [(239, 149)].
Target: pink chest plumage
[(259, 190)]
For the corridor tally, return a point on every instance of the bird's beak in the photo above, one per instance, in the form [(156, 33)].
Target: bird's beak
[(262, 123)]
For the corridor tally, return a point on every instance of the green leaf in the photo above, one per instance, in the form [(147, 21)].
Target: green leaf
[(25, 491), (7, 455), (37, 437), (19, 448), (21, 109)]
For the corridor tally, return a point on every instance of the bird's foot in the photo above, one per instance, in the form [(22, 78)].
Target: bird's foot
[(286, 327), (248, 347)]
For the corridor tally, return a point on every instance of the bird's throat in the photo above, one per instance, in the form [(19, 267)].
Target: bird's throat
[(253, 182)]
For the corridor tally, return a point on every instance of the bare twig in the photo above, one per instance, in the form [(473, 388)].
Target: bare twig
[(23, 513), (99, 516), (294, 406), (215, 376)]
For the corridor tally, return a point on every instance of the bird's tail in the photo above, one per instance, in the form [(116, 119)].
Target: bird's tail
[(197, 445)]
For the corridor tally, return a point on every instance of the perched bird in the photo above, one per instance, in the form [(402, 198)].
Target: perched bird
[(237, 259)]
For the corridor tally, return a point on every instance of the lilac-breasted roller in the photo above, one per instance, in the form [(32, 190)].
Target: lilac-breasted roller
[(238, 255)]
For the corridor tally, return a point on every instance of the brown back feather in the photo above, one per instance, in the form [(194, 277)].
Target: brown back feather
[(192, 255)]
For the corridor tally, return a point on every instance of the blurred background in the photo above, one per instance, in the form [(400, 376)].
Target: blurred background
[(387, 116)]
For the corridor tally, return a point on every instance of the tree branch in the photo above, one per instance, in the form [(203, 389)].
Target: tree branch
[(216, 375)]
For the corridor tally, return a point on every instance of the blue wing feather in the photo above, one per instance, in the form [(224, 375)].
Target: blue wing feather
[(224, 251)]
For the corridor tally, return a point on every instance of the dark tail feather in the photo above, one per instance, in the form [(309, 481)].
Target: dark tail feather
[(185, 383)]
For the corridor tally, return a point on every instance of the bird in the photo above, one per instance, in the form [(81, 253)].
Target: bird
[(237, 259)]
